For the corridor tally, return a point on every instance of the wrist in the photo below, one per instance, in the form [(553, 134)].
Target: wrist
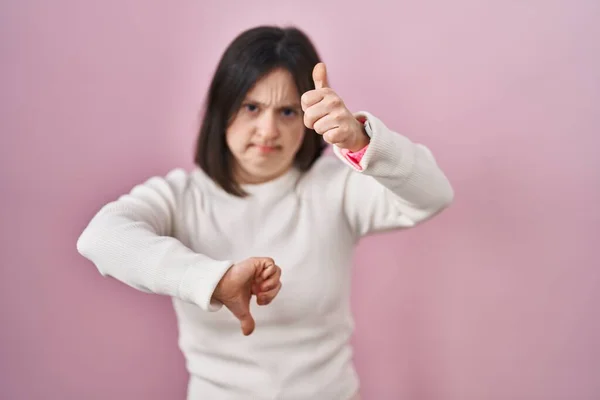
[(222, 286), (361, 141)]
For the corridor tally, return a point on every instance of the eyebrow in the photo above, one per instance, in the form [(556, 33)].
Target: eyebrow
[(285, 105)]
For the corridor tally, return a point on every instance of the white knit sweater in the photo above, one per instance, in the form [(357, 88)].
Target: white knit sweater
[(177, 235)]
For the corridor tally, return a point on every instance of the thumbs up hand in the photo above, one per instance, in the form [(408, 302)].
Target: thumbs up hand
[(326, 113)]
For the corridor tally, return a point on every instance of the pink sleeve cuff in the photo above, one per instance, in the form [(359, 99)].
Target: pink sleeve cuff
[(355, 157)]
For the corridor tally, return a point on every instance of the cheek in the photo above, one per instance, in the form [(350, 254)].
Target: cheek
[(230, 140), (296, 136), (238, 134), (236, 140)]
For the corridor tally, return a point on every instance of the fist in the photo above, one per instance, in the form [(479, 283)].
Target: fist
[(326, 113), (257, 276)]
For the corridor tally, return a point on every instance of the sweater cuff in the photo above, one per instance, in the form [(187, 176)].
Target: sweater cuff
[(199, 283)]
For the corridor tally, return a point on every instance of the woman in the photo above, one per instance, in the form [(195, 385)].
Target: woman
[(265, 208)]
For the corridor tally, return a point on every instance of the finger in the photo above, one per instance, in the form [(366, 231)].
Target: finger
[(325, 124), (272, 282), (241, 310), (331, 103), (320, 76), (267, 297), (256, 288), (334, 136), (311, 98), (315, 113), (260, 264), (248, 325), (269, 271)]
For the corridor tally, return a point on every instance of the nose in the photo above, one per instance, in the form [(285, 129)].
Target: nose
[(267, 127)]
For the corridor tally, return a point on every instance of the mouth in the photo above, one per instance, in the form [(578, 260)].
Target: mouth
[(265, 149)]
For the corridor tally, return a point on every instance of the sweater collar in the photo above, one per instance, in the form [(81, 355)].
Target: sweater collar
[(279, 185)]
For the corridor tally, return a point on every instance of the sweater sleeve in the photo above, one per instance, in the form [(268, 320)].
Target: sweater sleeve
[(131, 239), (398, 183)]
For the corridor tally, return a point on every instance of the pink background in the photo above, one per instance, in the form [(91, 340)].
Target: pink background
[(497, 299)]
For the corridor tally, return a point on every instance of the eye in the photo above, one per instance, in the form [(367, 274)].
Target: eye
[(288, 112), (250, 107)]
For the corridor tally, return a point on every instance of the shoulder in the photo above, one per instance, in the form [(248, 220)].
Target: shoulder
[(173, 182), (181, 180), (172, 186)]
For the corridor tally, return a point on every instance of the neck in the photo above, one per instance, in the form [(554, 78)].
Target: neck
[(243, 177)]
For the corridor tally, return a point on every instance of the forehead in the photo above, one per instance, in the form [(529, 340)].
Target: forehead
[(277, 86)]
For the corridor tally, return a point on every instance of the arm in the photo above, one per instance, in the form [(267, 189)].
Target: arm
[(130, 239), (395, 184)]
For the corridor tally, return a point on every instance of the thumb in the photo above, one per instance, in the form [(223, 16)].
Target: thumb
[(241, 310), (320, 76)]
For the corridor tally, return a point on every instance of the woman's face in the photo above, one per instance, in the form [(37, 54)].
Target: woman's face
[(268, 130)]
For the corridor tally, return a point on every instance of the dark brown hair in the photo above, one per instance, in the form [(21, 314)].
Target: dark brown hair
[(251, 55)]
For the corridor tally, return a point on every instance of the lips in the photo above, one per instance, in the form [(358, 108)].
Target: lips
[(266, 149)]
